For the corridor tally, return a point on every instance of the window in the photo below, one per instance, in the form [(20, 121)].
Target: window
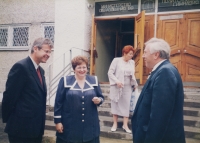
[(48, 31), (3, 37), (14, 37)]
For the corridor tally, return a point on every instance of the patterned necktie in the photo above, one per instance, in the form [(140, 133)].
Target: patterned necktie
[(39, 75)]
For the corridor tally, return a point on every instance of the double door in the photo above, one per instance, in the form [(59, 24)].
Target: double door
[(182, 31)]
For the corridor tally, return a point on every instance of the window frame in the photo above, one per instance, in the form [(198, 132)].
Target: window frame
[(43, 29), (10, 37)]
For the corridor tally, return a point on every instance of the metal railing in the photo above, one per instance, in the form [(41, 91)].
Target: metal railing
[(66, 70)]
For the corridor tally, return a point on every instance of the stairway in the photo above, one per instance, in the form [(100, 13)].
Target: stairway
[(191, 117)]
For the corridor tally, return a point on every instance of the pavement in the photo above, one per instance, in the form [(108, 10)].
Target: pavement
[(3, 136)]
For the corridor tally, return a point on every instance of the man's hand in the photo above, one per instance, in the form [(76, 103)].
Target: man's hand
[(59, 127)]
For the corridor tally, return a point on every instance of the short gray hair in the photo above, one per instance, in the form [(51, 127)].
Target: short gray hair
[(159, 45), (41, 41)]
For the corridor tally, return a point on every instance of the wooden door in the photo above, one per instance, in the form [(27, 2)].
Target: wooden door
[(181, 31), (171, 30), (191, 48), (139, 44), (93, 52), (148, 34)]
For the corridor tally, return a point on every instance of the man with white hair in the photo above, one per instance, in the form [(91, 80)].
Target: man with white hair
[(158, 116)]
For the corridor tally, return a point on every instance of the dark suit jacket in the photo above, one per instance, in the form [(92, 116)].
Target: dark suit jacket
[(158, 116), (24, 101)]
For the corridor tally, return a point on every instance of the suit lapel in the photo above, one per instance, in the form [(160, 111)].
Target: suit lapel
[(146, 85), (34, 73), (142, 94)]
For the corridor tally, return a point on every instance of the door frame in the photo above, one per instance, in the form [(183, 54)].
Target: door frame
[(141, 39)]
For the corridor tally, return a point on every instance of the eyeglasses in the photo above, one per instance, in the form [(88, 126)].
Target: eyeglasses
[(79, 68), (46, 51)]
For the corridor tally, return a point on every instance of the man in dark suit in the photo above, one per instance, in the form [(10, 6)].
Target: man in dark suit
[(158, 116), (24, 99)]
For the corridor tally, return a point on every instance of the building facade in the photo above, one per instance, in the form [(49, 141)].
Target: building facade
[(99, 29), (21, 22)]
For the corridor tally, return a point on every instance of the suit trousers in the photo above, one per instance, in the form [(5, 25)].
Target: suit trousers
[(13, 139), (95, 140)]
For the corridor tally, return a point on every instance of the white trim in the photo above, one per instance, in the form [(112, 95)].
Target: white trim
[(65, 82), (57, 116), (96, 79), (91, 87)]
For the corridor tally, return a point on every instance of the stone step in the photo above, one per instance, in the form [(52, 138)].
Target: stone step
[(105, 131), (191, 103), (106, 104), (188, 121), (106, 96), (192, 121), (187, 103), (196, 89), (189, 111), (50, 116), (192, 132), (49, 125), (195, 96), (119, 134), (190, 140), (108, 122)]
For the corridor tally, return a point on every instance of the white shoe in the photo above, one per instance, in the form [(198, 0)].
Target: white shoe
[(126, 130), (113, 129)]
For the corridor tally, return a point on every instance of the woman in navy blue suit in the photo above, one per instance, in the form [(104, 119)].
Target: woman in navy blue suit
[(75, 110)]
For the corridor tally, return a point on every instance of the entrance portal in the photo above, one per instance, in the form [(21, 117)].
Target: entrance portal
[(111, 37)]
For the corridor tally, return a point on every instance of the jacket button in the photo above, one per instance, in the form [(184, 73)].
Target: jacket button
[(82, 114), (82, 96), (83, 108), (82, 102), (82, 120)]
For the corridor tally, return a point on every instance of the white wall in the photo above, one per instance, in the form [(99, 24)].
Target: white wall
[(72, 29)]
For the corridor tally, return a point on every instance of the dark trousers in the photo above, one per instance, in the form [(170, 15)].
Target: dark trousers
[(95, 140), (13, 139)]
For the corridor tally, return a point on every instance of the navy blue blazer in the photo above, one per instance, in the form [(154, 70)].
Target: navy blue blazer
[(75, 109), (24, 101), (158, 116)]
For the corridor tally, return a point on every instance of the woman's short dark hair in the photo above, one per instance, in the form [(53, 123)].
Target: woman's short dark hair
[(78, 60), (127, 49)]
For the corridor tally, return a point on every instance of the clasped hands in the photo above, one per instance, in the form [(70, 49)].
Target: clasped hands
[(119, 84)]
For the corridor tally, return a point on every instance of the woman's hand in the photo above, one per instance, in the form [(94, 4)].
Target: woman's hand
[(59, 127), (119, 84), (96, 100)]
